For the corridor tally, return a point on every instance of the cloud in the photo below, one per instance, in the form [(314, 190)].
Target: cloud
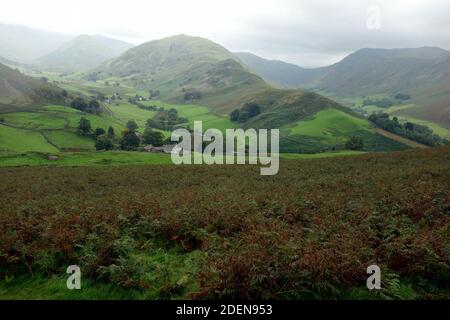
[(309, 33)]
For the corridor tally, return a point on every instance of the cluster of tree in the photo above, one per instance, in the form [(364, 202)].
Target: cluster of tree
[(381, 103), (412, 131), (92, 106), (153, 94), (166, 120), (402, 96), (248, 111), (354, 143), (104, 140), (130, 140), (148, 108)]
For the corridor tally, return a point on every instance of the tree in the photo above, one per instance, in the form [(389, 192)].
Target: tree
[(94, 106), (234, 115), (252, 108), (129, 141), (243, 116), (132, 125), (99, 132), (103, 142), (79, 104), (155, 138), (111, 132), (64, 93), (355, 143), (84, 127)]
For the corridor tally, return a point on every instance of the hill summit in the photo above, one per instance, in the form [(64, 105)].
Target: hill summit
[(184, 69), (82, 53)]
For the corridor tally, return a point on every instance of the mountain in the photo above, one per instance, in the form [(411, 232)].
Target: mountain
[(185, 69), (23, 44), (196, 71), (82, 53), (373, 71), (279, 73), (190, 70), (423, 73), (21, 91)]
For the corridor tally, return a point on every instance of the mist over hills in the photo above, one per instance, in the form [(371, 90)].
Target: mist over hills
[(82, 53), (279, 73), (366, 71), (24, 44)]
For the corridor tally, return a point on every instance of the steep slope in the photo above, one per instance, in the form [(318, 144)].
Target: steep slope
[(23, 44), (185, 69), (286, 75), (423, 73), (371, 71), (191, 70), (20, 91), (82, 53)]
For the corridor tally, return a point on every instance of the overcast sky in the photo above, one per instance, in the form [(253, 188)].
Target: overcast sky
[(309, 33)]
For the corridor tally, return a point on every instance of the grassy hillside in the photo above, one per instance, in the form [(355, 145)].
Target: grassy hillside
[(21, 140), (184, 70), (330, 129), (82, 53), (423, 73), (20, 91), (223, 232)]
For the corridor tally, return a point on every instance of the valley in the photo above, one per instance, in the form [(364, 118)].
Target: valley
[(87, 176)]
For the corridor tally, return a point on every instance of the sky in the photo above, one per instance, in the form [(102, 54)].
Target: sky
[(308, 33)]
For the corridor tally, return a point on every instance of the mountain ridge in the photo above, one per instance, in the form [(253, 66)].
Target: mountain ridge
[(82, 53)]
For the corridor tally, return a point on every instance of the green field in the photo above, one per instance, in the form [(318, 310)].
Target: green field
[(69, 140), (197, 113), (332, 125), (34, 120), (20, 140), (294, 156), (109, 158)]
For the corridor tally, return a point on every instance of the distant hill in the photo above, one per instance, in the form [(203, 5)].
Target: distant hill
[(20, 91), (423, 73), (372, 71), (186, 69), (23, 44), (285, 75), (191, 70), (82, 53)]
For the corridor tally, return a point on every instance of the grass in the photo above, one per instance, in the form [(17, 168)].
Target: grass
[(104, 158), (21, 140), (171, 272), (126, 111), (332, 125), (117, 158), (197, 113), (69, 140), (225, 232), (34, 120), (321, 155)]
